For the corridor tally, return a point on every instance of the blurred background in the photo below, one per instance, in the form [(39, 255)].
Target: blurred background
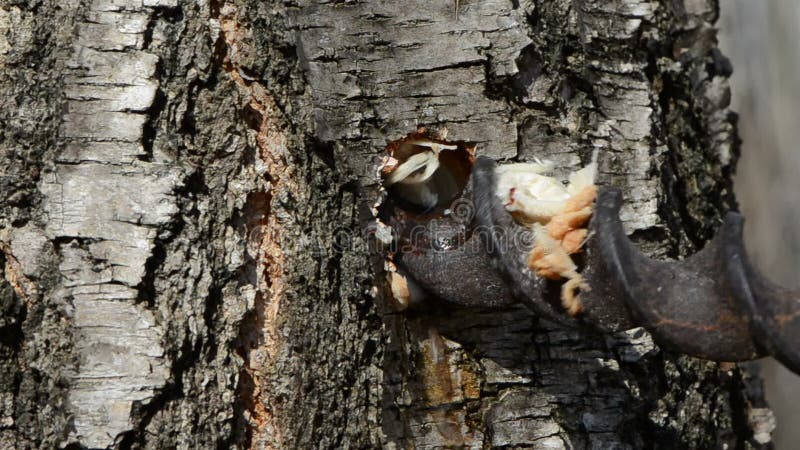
[(761, 39)]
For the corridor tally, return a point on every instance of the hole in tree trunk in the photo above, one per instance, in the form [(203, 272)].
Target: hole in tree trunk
[(425, 174)]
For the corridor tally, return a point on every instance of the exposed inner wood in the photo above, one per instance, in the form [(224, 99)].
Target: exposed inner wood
[(261, 340)]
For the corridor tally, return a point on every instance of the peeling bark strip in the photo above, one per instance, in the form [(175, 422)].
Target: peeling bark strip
[(105, 199)]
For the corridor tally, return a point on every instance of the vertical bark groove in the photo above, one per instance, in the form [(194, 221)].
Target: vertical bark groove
[(259, 335)]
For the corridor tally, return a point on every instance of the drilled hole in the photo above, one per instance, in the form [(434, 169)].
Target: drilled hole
[(425, 174)]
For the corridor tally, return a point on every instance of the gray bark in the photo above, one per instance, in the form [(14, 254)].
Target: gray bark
[(185, 186)]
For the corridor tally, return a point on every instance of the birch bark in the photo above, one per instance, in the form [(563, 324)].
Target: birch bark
[(186, 186)]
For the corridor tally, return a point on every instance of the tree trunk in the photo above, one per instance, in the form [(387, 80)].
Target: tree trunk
[(186, 184)]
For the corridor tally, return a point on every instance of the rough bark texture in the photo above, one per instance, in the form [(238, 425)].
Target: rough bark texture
[(185, 186)]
